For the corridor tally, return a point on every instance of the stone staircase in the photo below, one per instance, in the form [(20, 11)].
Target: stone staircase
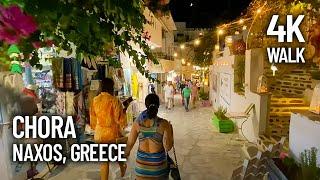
[(292, 84), (280, 112), (287, 96)]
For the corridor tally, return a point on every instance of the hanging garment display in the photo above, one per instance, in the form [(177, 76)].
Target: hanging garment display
[(70, 103), (75, 75), (135, 86), (28, 79), (57, 69), (60, 103), (65, 103), (14, 81), (101, 71), (127, 77), (67, 74), (3, 76), (67, 68)]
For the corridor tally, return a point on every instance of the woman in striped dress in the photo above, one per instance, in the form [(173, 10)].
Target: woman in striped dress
[(155, 139)]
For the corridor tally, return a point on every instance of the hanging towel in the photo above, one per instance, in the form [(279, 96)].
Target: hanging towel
[(28, 74), (75, 75), (67, 63), (57, 71)]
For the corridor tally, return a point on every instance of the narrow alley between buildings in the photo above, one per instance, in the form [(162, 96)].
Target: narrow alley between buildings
[(202, 152)]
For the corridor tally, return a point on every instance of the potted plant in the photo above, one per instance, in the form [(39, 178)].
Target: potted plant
[(309, 168), (204, 96), (221, 121), (287, 166)]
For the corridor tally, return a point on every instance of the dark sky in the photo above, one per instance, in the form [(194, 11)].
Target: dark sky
[(207, 13)]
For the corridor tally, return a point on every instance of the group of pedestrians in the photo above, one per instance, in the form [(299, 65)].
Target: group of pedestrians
[(189, 91), (155, 134)]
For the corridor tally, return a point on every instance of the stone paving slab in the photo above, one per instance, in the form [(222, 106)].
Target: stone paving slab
[(202, 152)]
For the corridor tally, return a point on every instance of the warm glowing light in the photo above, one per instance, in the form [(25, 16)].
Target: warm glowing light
[(220, 32), (200, 34), (237, 32), (189, 64), (175, 54), (216, 47), (182, 46), (274, 69), (152, 47), (229, 39), (259, 11), (197, 42), (183, 61), (241, 21), (244, 27)]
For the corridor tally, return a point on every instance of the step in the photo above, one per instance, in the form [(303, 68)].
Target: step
[(299, 71), (283, 94), (279, 126), (292, 77), (289, 92), (284, 100), (288, 109), (279, 105), (280, 114), (297, 84), (278, 95), (265, 140)]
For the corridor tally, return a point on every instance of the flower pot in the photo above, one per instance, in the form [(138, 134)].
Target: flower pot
[(205, 103), (223, 126)]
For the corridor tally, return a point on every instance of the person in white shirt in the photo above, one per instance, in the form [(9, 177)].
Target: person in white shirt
[(168, 95)]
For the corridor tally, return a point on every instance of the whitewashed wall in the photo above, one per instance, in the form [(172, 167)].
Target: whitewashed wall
[(238, 103), (304, 134)]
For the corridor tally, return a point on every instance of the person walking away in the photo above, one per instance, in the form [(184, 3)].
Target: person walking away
[(182, 86), (166, 90), (186, 92), (171, 97), (151, 89), (168, 94), (155, 140), (194, 92), (198, 84), (110, 116)]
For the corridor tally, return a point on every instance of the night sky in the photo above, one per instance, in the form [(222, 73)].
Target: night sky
[(207, 13)]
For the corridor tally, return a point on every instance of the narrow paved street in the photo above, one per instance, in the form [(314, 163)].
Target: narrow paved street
[(202, 152)]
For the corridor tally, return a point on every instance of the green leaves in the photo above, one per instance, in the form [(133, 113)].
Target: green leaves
[(91, 25)]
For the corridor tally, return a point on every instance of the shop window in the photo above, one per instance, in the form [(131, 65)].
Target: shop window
[(239, 74)]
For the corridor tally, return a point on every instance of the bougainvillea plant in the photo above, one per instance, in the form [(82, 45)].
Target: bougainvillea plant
[(90, 25)]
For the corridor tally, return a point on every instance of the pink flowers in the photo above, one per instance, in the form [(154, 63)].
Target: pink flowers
[(14, 24)]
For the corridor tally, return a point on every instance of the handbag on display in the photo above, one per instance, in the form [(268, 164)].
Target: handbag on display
[(173, 166)]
